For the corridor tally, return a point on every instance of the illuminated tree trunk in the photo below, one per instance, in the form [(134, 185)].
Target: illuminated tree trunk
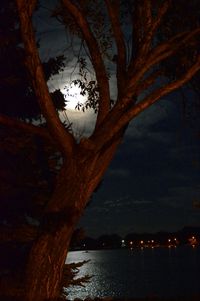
[(44, 271), (74, 188), (48, 254)]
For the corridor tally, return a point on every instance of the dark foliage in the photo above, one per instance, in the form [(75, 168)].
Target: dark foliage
[(28, 164), (17, 97)]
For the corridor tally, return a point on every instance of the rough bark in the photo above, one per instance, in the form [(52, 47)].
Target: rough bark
[(47, 258), (74, 187)]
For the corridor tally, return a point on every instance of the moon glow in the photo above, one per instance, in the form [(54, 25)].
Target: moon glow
[(73, 97)]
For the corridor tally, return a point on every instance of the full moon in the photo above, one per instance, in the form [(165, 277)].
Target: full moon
[(73, 97)]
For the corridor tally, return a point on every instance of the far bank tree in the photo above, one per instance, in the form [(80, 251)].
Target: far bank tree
[(138, 40)]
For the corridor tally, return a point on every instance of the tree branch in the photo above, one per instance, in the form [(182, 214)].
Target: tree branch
[(97, 61), (148, 81), (64, 139), (141, 26), (161, 12), (147, 14), (156, 95), (31, 6), (108, 131), (26, 127), (168, 48), (136, 20), (113, 11), (161, 52), (24, 233), (150, 27)]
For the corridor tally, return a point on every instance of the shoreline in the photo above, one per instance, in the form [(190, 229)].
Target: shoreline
[(151, 298)]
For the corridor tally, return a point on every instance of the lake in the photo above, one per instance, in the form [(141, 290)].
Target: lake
[(159, 272)]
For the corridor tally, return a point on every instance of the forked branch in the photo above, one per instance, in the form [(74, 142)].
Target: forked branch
[(156, 95), (25, 127), (99, 67), (144, 27), (63, 138), (115, 124), (151, 26), (160, 53), (113, 12)]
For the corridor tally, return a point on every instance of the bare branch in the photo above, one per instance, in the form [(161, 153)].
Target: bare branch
[(168, 48), (113, 11), (31, 6), (99, 67), (24, 233), (147, 82), (152, 25), (136, 19), (141, 18), (157, 94), (107, 132), (64, 139), (148, 13), (149, 26), (26, 127), (161, 52), (161, 12)]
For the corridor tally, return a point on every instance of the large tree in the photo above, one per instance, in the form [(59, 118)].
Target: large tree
[(145, 37)]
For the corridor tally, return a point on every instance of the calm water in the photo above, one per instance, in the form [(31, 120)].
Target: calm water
[(139, 273)]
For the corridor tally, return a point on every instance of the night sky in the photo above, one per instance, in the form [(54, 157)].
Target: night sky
[(154, 179)]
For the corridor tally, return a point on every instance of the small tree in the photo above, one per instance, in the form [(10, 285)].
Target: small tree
[(138, 65)]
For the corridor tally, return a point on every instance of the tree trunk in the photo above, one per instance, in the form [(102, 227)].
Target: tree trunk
[(44, 271), (47, 257)]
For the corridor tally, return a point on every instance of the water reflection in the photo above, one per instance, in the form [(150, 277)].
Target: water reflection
[(139, 273)]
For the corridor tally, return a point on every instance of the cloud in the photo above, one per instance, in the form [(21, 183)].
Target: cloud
[(141, 202), (155, 114), (123, 202)]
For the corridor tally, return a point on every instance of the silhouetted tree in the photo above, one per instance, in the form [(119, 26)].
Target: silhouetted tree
[(137, 50), (28, 163), (112, 241)]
